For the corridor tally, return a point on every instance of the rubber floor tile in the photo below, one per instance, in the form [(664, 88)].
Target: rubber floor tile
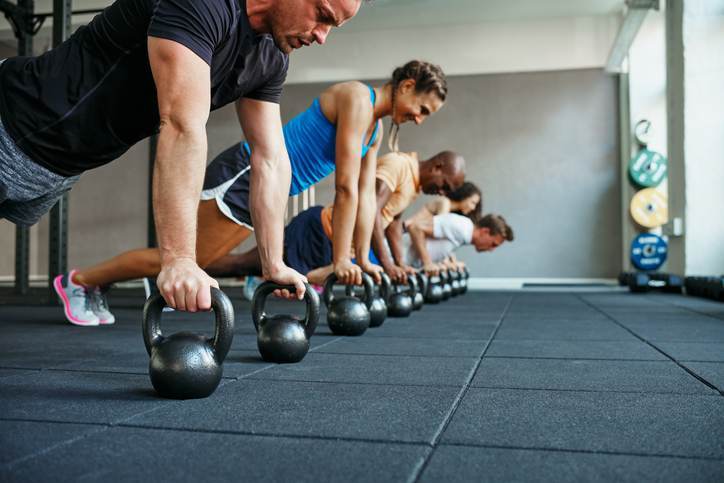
[(636, 376), (286, 408), (133, 454), (654, 424), (453, 464)]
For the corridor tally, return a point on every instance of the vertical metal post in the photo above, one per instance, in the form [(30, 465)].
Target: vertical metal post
[(22, 233), (151, 228), (58, 239), (675, 113), (624, 119)]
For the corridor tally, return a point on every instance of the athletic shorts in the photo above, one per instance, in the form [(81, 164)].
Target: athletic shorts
[(306, 246), (227, 181), (27, 189)]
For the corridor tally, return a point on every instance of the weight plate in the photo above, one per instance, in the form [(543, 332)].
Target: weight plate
[(648, 251), (648, 168), (649, 208)]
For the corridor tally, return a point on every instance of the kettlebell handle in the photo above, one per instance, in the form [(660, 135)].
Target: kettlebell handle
[(311, 298), (366, 283), (224, 327), (412, 282), (385, 288)]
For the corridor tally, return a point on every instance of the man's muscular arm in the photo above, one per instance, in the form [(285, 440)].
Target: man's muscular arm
[(183, 86)]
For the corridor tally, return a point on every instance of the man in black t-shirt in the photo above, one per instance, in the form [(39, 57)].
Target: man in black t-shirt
[(160, 66)]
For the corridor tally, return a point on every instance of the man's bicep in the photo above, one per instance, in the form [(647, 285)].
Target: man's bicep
[(182, 83)]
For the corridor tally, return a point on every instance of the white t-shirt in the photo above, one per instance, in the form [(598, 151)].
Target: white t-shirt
[(450, 231)]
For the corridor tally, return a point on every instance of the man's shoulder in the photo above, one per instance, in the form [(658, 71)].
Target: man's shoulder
[(453, 219), (396, 157)]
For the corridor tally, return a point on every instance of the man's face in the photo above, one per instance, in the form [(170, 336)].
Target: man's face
[(484, 241), (296, 23), (439, 182)]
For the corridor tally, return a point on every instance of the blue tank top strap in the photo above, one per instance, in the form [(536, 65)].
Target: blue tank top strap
[(373, 98)]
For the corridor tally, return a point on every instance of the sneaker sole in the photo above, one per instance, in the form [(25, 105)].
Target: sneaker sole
[(64, 300)]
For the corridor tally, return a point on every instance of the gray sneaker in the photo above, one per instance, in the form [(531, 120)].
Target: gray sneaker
[(99, 306), (76, 301)]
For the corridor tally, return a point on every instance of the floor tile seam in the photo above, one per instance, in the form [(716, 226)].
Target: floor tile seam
[(714, 394), (420, 469), (35, 369), (397, 355), (351, 383), (400, 356), (542, 339), (51, 421), (316, 437), (598, 359), (423, 338), (692, 310), (658, 349), (581, 451), (97, 429)]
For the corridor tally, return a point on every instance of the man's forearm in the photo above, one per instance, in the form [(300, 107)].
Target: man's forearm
[(269, 191), (378, 243), (394, 238), (419, 241), (177, 180)]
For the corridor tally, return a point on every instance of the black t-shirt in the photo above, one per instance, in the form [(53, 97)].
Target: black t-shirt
[(84, 103)]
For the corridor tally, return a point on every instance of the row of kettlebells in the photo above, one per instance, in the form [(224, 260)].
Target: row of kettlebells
[(285, 338), (186, 365)]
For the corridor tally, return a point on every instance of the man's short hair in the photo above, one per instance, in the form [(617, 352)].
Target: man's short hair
[(497, 226)]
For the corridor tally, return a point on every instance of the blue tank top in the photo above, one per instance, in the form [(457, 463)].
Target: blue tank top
[(311, 142)]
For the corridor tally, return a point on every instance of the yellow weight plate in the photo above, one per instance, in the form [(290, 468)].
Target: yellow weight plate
[(649, 208)]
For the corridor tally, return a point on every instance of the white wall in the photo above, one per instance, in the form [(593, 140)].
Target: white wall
[(704, 135), (483, 48)]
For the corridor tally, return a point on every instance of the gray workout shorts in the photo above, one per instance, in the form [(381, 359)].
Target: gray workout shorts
[(27, 190)]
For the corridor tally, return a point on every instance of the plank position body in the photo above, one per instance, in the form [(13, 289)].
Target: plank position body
[(142, 67), (340, 132), (309, 237), (431, 244)]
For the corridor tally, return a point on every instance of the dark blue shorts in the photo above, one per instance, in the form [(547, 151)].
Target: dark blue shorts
[(306, 246), (227, 181)]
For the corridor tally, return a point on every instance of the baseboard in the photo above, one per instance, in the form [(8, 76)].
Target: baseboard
[(484, 283)]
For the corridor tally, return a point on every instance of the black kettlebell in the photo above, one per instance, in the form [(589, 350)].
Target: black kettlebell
[(399, 303), (415, 292), (446, 287), (378, 307), (423, 281), (185, 365), (283, 338), (434, 290), (456, 283), (465, 277), (348, 315)]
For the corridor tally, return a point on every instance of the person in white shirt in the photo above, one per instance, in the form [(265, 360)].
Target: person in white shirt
[(431, 243)]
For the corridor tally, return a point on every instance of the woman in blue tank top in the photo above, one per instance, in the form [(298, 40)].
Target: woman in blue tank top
[(340, 132)]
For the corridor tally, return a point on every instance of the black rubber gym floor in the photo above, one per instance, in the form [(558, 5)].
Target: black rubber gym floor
[(516, 386)]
